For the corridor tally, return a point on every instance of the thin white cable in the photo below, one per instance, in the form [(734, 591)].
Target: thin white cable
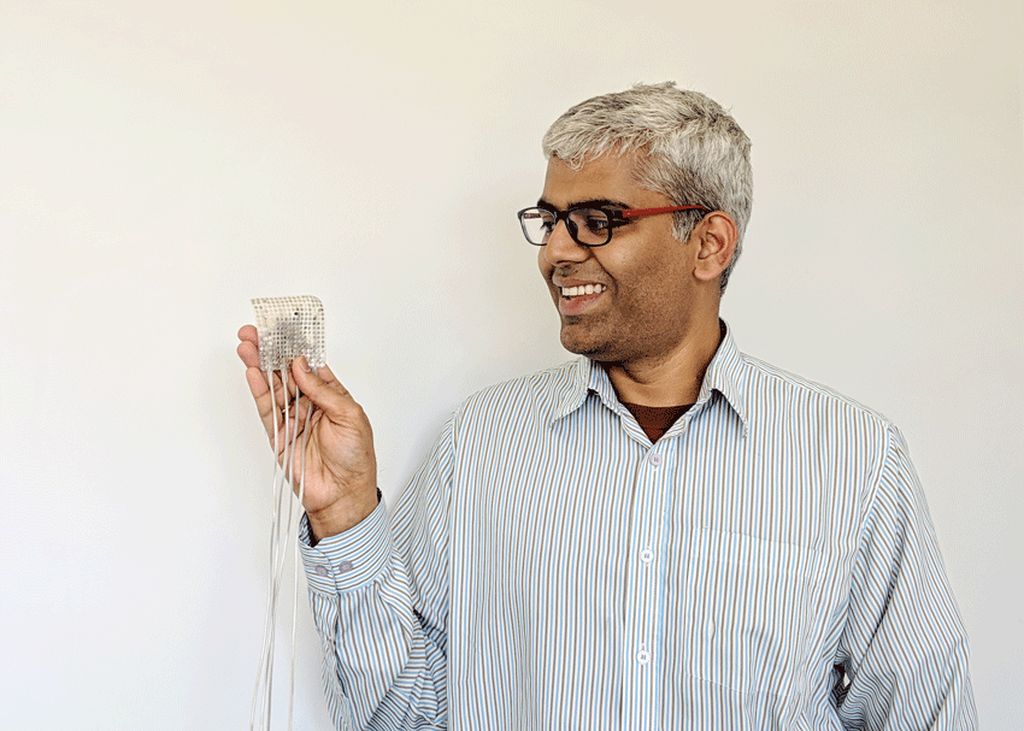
[(293, 541), (274, 567), (278, 563), (286, 494), (287, 327), (267, 659), (284, 532), (261, 670)]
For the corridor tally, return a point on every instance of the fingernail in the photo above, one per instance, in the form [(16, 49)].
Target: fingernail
[(305, 364)]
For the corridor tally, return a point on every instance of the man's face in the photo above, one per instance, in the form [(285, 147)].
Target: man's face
[(645, 308)]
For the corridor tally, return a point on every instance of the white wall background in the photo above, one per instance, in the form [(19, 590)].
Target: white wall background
[(161, 165)]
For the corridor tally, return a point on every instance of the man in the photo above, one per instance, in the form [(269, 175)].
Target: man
[(663, 533)]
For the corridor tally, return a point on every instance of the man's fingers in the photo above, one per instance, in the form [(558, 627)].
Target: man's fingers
[(325, 374), (248, 350), (249, 346), (248, 332), (258, 385), (329, 395), (271, 416), (323, 388), (270, 397), (299, 418), (249, 353), (257, 381), (270, 410), (328, 377)]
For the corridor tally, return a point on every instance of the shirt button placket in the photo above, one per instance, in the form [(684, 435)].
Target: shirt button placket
[(652, 486)]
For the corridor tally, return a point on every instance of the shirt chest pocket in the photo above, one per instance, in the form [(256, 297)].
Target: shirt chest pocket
[(745, 610)]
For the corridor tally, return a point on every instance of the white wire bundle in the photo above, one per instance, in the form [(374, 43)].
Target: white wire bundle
[(288, 327)]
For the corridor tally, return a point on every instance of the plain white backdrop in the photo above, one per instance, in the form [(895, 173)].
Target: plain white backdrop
[(162, 163)]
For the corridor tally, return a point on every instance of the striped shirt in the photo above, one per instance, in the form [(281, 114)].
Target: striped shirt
[(768, 563)]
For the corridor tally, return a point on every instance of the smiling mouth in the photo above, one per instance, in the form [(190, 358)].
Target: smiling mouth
[(577, 301), (569, 293)]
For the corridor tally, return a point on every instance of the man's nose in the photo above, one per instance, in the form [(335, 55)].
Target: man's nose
[(562, 247)]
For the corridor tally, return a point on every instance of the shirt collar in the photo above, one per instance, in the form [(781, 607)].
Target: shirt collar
[(724, 374)]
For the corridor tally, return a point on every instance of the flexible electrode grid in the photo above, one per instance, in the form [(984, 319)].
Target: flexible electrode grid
[(288, 327)]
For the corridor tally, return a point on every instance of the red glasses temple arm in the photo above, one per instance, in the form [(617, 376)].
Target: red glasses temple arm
[(638, 212)]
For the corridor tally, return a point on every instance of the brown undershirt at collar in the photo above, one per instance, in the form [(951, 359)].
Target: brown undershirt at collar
[(655, 420)]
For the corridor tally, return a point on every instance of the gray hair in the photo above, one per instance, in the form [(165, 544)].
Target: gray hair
[(695, 151)]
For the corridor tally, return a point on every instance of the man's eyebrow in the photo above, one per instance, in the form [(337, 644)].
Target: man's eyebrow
[(592, 203)]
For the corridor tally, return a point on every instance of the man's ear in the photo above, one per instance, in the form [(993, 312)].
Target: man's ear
[(716, 236)]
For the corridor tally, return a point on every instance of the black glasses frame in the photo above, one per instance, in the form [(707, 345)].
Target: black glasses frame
[(616, 218)]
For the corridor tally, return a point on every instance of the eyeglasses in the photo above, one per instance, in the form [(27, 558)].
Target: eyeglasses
[(587, 225)]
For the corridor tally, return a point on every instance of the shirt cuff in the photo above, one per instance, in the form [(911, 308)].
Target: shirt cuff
[(351, 558)]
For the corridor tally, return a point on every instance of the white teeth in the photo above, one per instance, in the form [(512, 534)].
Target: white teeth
[(584, 289)]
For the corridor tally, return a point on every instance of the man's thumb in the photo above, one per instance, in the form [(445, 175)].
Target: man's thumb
[(322, 388)]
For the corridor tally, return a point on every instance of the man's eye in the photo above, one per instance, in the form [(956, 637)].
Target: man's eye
[(597, 224)]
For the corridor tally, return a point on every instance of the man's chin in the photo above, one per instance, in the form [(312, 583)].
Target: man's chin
[(574, 343)]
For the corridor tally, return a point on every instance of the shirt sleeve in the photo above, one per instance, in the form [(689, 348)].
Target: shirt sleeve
[(904, 647), (379, 592)]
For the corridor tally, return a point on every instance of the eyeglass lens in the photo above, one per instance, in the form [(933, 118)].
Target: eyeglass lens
[(587, 226)]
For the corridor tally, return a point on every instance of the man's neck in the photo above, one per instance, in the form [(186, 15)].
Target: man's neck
[(670, 380)]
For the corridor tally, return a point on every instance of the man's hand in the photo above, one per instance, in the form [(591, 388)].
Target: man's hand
[(341, 466)]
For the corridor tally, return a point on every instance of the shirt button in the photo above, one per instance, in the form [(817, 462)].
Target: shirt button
[(322, 571), (646, 555), (643, 657), (654, 458), (345, 566)]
